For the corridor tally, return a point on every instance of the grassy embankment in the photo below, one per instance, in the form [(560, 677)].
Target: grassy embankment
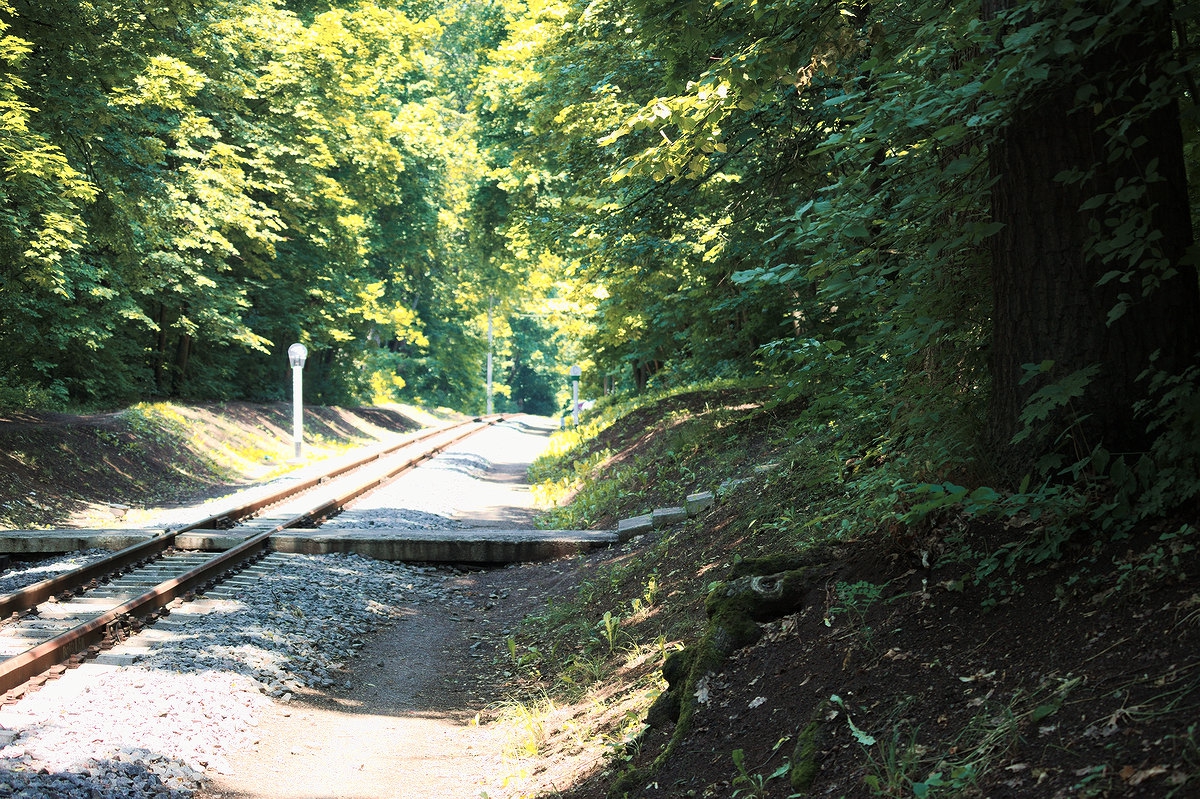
[(905, 651), (100, 469)]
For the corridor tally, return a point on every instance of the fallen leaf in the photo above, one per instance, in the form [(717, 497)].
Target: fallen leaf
[(702, 693), (979, 675), (1049, 709), (1139, 777), (756, 701)]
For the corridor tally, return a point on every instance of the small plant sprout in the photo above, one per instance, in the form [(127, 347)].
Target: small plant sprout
[(525, 660), (608, 626), (853, 600), (753, 786)]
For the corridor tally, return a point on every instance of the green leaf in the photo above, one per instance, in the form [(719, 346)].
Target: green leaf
[(923, 789), (1042, 711), (1116, 312), (782, 771)]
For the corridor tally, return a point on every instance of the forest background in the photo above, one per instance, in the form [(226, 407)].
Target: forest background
[(947, 229)]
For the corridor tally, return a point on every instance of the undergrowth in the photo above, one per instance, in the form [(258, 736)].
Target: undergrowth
[(791, 479), (785, 486)]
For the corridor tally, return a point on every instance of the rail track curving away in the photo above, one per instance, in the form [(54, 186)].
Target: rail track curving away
[(59, 621)]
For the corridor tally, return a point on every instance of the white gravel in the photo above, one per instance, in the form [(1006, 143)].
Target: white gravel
[(24, 574)]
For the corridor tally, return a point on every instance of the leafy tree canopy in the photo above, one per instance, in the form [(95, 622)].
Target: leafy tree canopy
[(966, 228)]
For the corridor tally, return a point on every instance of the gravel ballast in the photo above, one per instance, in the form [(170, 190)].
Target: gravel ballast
[(154, 729), (23, 575)]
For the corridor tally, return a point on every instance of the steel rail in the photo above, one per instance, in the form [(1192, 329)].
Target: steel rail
[(327, 508), (33, 595), (20, 668)]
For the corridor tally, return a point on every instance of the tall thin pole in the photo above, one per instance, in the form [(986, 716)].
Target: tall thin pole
[(297, 409), (575, 373), (297, 353), (491, 304)]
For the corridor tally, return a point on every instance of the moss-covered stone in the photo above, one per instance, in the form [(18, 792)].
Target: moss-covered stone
[(664, 710), (734, 609), (805, 762), (631, 783), (771, 564), (676, 666), (730, 623), (812, 557), (675, 670)]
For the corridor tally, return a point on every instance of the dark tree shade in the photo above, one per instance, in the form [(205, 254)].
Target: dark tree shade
[(1047, 260)]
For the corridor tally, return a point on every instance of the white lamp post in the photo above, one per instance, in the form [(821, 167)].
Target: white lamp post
[(575, 373), (296, 355), (490, 406)]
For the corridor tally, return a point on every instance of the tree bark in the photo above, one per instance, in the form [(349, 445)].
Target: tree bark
[(1047, 304), (183, 353)]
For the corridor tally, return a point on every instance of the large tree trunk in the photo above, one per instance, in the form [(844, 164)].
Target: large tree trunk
[(183, 354), (1047, 304)]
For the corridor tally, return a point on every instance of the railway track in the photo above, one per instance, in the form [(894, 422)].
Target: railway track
[(61, 620)]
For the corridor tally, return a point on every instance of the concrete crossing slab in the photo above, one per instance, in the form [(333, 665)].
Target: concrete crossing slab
[(49, 542), (466, 545), (480, 545)]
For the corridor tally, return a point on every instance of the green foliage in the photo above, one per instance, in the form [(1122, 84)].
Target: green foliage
[(901, 766), (853, 600), (807, 192), (532, 374), (192, 187), (1050, 398), (17, 395), (809, 196), (1098, 493), (1158, 563)]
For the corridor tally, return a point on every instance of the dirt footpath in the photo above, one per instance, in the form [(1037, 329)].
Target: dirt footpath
[(418, 720)]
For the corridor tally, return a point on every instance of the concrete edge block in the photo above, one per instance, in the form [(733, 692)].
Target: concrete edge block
[(662, 517), (628, 528), (732, 484), (699, 502)]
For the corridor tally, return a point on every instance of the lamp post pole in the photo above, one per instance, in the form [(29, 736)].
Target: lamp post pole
[(491, 305), (296, 355), (575, 373)]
